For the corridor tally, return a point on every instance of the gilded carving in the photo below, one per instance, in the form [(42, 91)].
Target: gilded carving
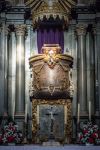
[(34, 120), (68, 128), (50, 8), (51, 71), (51, 54), (37, 74), (58, 80), (51, 89), (50, 79)]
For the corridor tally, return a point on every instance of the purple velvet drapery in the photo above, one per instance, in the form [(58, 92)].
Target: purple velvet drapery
[(50, 36)]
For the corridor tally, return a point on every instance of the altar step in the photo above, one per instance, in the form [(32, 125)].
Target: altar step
[(51, 143), (36, 147)]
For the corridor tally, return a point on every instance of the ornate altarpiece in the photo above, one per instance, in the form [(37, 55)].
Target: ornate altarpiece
[(51, 89)]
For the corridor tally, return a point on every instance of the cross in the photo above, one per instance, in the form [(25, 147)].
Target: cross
[(51, 114)]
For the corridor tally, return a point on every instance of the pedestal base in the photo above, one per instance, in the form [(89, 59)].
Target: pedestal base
[(51, 143)]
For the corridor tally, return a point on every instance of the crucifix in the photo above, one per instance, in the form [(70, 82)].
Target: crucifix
[(51, 115)]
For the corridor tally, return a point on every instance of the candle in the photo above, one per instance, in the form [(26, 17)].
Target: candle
[(26, 113), (38, 114), (78, 113), (65, 114), (89, 110)]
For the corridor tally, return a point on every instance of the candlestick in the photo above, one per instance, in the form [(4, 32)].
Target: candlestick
[(65, 114), (89, 110), (78, 113), (26, 113), (37, 114)]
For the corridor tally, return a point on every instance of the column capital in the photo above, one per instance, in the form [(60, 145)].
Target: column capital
[(96, 30), (5, 29), (12, 28), (20, 29), (81, 29)]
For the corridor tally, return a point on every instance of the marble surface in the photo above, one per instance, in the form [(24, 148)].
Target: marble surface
[(35, 147)]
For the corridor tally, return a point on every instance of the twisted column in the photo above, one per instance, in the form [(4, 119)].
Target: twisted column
[(81, 66), (20, 70)]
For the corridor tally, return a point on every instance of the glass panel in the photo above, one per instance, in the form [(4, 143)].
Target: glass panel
[(51, 120)]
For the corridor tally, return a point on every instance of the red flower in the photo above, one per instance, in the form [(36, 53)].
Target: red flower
[(10, 139), (0, 138), (90, 140), (94, 135), (81, 136), (85, 131), (99, 134)]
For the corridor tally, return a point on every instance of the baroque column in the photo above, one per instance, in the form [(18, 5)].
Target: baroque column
[(81, 69), (20, 70)]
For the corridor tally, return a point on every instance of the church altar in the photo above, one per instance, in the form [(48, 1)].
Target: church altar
[(50, 94)]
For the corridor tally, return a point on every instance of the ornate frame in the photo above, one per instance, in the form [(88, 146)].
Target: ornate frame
[(67, 119)]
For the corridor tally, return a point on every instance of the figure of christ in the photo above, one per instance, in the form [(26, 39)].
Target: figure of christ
[(51, 115)]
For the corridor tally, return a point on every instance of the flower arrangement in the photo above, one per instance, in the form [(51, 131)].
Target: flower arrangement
[(89, 133), (10, 133), (1, 136)]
